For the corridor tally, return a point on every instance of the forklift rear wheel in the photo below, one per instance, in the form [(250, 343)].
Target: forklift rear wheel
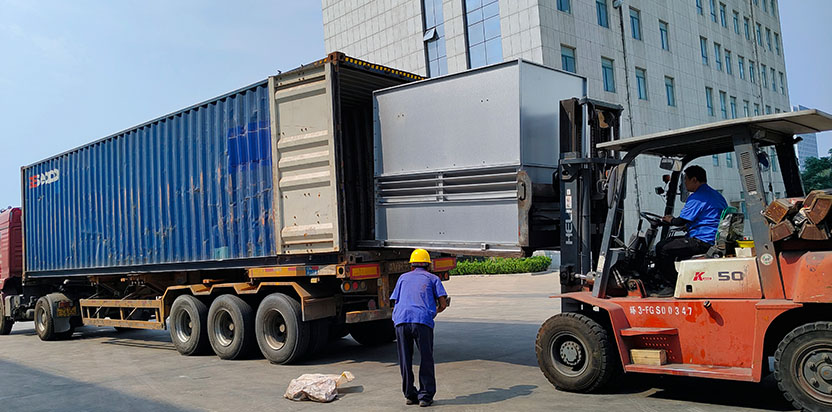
[(575, 353), (803, 366), (281, 333), (188, 325), (373, 333), (231, 327)]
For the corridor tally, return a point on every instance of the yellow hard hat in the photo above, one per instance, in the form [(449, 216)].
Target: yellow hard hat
[(420, 256)]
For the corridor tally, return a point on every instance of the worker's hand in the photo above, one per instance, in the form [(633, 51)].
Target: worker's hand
[(443, 304), (667, 218)]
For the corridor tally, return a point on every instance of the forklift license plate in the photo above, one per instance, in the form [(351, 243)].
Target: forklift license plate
[(67, 312)]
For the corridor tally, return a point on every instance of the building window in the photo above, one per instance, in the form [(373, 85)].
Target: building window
[(777, 42), (774, 161), (773, 81), (747, 25), (736, 22), (709, 100), (484, 40), (718, 56), (768, 39), (608, 72), (434, 38), (601, 11), (565, 6), (759, 35), (728, 68), (776, 110), (772, 8), (763, 79), (723, 106), (635, 23), (745, 110), (751, 70), (699, 7), (729, 160), (641, 83), (715, 159), (703, 48), (670, 90), (722, 19), (741, 66), (733, 104), (756, 109), (567, 58), (664, 35), (765, 6), (782, 84), (713, 10)]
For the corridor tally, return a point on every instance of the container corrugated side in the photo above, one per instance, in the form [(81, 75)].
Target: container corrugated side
[(192, 186)]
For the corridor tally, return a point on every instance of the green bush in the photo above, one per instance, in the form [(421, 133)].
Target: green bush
[(494, 266)]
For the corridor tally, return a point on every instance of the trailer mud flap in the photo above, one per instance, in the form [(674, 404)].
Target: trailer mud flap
[(63, 309)]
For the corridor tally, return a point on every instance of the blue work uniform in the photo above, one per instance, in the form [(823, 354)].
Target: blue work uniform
[(415, 298), (703, 210)]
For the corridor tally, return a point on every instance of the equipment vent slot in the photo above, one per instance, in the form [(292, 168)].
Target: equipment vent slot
[(750, 183), (745, 160)]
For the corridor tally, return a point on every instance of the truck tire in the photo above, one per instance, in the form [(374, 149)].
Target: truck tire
[(231, 327), (373, 333), (43, 320), (575, 354), (319, 336), (189, 325), (803, 366), (281, 333), (5, 323)]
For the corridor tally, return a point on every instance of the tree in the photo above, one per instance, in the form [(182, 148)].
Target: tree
[(818, 173)]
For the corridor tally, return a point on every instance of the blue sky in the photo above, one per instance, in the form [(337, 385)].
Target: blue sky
[(75, 71)]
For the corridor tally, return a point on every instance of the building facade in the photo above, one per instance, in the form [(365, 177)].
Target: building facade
[(670, 64)]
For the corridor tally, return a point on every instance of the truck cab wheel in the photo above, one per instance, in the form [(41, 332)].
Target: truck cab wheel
[(188, 325), (231, 327), (373, 333), (5, 323), (282, 335), (575, 353), (803, 366), (44, 324)]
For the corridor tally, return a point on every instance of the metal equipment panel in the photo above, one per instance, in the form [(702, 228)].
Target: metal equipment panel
[(306, 196), (459, 150), (189, 187)]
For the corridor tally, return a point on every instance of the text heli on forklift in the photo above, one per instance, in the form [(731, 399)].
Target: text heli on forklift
[(729, 316)]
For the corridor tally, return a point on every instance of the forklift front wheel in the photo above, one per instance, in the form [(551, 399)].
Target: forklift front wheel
[(574, 352), (803, 366)]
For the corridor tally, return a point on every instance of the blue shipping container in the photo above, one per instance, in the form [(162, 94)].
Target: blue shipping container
[(191, 186)]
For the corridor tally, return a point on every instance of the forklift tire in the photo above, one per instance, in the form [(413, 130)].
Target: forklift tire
[(281, 333), (803, 366), (575, 353), (373, 333), (231, 327), (188, 325)]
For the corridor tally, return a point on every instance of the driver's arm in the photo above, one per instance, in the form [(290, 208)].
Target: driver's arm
[(675, 221)]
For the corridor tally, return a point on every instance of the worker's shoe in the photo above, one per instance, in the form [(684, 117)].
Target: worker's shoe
[(425, 403), (411, 401)]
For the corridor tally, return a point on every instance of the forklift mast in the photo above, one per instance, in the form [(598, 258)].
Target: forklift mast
[(584, 173)]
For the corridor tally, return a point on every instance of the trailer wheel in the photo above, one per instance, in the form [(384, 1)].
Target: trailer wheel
[(373, 333), (5, 323), (575, 353), (282, 334), (44, 324), (189, 325), (803, 366), (319, 336), (231, 327)]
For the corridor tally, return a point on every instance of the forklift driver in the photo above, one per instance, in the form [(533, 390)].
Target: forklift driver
[(701, 217)]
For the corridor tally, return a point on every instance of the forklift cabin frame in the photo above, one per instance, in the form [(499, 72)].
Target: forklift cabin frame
[(744, 137)]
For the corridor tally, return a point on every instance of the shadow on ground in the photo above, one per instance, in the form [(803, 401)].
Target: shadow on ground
[(35, 390)]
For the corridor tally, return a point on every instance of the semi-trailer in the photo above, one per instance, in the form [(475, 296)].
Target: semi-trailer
[(280, 215)]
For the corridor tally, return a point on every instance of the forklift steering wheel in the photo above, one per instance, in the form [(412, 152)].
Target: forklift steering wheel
[(653, 218)]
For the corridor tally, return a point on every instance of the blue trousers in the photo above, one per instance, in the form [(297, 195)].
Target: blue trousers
[(422, 335)]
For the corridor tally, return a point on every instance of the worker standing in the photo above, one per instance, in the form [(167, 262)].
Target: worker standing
[(415, 305)]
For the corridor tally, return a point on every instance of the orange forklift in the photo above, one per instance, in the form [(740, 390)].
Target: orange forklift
[(731, 317)]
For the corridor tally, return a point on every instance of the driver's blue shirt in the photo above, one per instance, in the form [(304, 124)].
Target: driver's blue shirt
[(703, 209), (415, 295)]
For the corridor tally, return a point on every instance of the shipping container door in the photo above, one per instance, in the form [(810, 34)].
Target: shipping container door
[(302, 127)]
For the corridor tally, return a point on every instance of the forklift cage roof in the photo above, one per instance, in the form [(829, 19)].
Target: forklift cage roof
[(717, 137)]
